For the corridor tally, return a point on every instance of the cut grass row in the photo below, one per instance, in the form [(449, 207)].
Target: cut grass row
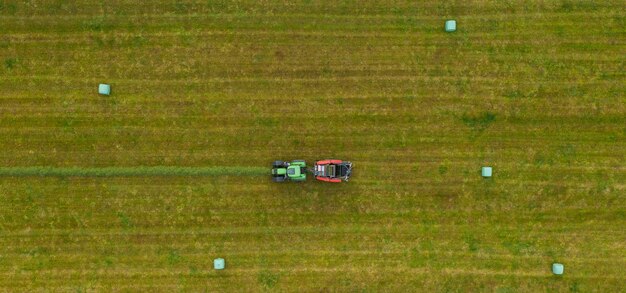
[(350, 9), (131, 171)]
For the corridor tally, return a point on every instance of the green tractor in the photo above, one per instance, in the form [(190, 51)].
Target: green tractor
[(285, 171)]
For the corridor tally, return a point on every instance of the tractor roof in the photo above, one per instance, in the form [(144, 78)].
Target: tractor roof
[(293, 171)]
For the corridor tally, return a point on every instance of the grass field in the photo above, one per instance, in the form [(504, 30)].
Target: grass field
[(535, 89)]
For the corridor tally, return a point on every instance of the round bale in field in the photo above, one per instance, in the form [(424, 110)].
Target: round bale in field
[(219, 264)]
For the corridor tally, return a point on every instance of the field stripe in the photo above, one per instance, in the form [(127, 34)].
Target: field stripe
[(130, 171), (408, 78), (507, 16)]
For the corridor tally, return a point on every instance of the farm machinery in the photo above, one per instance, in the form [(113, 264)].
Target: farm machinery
[(325, 170)]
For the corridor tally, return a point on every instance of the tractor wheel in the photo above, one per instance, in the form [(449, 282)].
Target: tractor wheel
[(278, 164), (278, 179)]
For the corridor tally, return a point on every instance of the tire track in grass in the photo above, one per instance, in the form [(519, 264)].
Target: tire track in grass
[(141, 171)]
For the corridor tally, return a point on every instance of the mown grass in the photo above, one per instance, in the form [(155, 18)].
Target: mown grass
[(132, 171), (533, 88)]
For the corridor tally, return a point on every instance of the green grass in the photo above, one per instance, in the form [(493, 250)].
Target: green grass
[(10, 63), (533, 88), (131, 171)]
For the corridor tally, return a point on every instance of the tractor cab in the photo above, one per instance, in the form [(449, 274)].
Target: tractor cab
[(294, 171), (285, 171)]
